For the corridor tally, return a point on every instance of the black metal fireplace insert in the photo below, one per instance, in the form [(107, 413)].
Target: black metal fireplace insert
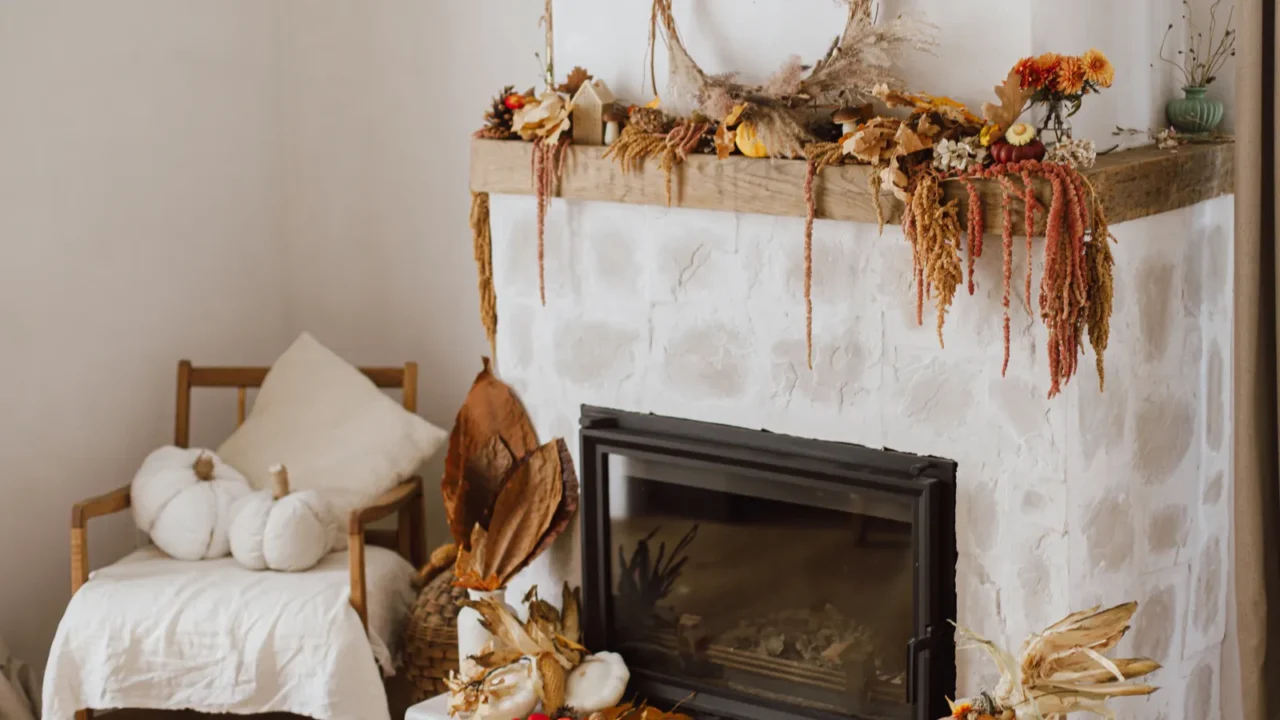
[(745, 574)]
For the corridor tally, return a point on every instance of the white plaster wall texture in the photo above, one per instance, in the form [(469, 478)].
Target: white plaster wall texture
[(1088, 498)]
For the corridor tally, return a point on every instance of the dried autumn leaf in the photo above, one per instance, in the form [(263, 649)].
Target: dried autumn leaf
[(1013, 101), (524, 511), (907, 141), (551, 681), (471, 566), (491, 409), (565, 510), (726, 141), (572, 84), (873, 143), (571, 613), (616, 712)]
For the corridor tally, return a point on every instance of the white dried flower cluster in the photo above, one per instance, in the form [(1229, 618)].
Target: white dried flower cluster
[(1077, 153), (959, 155), (1167, 139), (952, 155)]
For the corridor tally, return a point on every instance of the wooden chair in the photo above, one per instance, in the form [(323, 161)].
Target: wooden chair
[(405, 500)]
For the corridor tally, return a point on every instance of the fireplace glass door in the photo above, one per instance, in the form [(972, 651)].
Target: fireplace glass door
[(764, 588)]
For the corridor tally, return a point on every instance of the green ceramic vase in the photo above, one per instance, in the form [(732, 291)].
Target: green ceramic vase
[(1194, 113)]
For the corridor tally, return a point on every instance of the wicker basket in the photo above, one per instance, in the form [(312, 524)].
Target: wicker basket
[(431, 637)]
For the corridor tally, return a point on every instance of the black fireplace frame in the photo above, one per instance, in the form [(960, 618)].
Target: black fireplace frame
[(928, 481)]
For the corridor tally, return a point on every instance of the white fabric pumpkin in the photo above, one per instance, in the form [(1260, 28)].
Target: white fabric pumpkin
[(182, 498), (598, 683), (278, 530)]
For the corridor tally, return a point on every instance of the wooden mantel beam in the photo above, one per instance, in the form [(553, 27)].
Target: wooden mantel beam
[(1132, 184)]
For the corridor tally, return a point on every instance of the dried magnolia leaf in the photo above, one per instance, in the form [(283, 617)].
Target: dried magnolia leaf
[(483, 474), (565, 510), (572, 84), (524, 511), (551, 682), (1013, 101), (491, 409)]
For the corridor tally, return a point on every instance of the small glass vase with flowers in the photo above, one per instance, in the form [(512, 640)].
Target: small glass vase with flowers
[(1059, 84)]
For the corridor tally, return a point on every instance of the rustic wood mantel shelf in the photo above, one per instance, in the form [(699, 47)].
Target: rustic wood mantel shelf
[(1132, 183)]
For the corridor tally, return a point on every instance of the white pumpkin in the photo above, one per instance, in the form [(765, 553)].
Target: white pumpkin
[(182, 498), (598, 683), (278, 530), (508, 692)]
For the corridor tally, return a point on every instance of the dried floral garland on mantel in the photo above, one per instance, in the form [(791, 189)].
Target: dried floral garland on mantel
[(848, 108)]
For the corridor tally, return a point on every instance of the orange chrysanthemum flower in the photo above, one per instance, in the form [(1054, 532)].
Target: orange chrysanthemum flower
[(1098, 69), (1030, 75), (1048, 64), (1070, 77)]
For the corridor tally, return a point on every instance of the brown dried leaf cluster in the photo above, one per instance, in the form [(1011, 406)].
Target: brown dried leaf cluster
[(505, 497), (630, 711)]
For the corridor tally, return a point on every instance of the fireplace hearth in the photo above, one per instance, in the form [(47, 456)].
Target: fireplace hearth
[(752, 575)]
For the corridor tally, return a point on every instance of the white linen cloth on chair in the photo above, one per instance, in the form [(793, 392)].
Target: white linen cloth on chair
[(151, 632), (18, 688)]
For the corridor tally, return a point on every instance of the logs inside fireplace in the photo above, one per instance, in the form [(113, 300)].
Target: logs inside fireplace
[(750, 575)]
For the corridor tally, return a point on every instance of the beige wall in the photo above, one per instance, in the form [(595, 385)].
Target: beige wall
[(380, 99), (139, 184)]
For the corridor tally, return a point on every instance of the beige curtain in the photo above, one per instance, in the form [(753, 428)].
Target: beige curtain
[(1257, 445)]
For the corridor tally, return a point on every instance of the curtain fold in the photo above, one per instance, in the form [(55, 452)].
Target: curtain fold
[(1256, 449)]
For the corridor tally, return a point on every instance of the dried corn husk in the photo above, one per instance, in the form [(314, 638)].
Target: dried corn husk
[(1062, 669), (550, 682)]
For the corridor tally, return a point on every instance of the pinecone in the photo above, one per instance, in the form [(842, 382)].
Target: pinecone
[(650, 120), (499, 117)]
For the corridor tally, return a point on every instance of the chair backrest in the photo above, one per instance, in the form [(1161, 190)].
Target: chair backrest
[(242, 378)]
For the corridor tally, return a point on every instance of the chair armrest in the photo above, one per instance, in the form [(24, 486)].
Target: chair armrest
[(113, 502), (389, 502), (404, 499)]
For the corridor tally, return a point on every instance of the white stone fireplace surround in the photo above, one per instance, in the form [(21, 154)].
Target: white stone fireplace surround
[(1087, 498)]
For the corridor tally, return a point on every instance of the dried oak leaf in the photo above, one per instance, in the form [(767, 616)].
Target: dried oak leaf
[(524, 511), (1013, 101), (873, 142), (474, 469), (906, 141), (572, 84)]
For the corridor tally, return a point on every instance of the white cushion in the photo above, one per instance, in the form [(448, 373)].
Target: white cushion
[(152, 632), (334, 429)]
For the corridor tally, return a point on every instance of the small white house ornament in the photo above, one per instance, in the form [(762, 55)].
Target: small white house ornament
[(590, 104)]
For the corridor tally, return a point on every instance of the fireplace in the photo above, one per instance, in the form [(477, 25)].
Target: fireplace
[(752, 575)]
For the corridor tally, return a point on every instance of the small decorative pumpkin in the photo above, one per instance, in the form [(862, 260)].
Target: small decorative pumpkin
[(183, 499), (749, 142), (1003, 151), (598, 683), (278, 530)]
